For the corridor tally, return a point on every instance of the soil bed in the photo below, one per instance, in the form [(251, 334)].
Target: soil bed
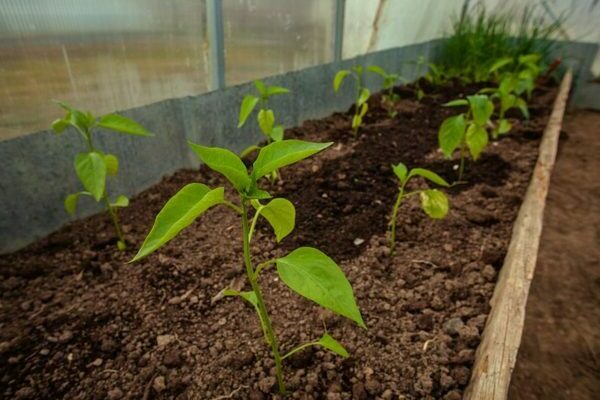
[(78, 323)]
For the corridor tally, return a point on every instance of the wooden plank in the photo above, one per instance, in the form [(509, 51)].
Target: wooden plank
[(497, 354)]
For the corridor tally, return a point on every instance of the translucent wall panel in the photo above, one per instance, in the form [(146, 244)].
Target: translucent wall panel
[(103, 55), (379, 24), (269, 37)]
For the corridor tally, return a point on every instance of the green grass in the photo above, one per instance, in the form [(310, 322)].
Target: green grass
[(480, 38)]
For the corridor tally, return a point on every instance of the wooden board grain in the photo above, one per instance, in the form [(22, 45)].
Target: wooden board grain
[(497, 354)]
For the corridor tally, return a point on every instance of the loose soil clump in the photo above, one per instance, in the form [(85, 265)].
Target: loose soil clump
[(79, 323)]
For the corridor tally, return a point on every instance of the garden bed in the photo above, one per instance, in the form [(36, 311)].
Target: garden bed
[(78, 323)]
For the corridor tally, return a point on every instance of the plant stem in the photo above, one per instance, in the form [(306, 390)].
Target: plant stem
[(461, 169), (115, 220), (262, 310), (393, 221)]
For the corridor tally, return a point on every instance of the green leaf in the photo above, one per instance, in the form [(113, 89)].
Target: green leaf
[(314, 275), (257, 194), (281, 214), (356, 121), (279, 154), (507, 85), (59, 125), (112, 164), (225, 162), (121, 124), (266, 120), (429, 175), (121, 201), (522, 105), (363, 110), (363, 97), (250, 296), (272, 90), (180, 211), (91, 170), (456, 103), (481, 108), (330, 343), (434, 203), (502, 62), (248, 105), (507, 102), (401, 171), (244, 153), (477, 139), (339, 78), (277, 133), (451, 134), (529, 58), (504, 126), (260, 86), (378, 70), (71, 201)]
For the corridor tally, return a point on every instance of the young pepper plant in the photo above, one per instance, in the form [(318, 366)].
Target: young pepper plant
[(523, 71), (433, 202), (94, 166), (468, 130), (362, 94), (305, 270), (389, 98), (265, 116), (506, 95)]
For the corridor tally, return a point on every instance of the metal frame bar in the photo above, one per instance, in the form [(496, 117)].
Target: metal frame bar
[(214, 19), (338, 39)]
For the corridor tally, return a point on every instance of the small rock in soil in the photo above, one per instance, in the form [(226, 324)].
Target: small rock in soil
[(452, 326), (172, 358), (115, 394), (25, 393), (358, 391), (373, 386), (255, 395), (479, 216), (266, 384), (453, 395), (163, 340), (489, 272), (358, 241), (159, 384)]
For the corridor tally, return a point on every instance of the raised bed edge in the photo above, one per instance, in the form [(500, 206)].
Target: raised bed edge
[(497, 353)]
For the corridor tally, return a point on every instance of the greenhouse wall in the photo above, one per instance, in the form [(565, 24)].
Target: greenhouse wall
[(181, 68)]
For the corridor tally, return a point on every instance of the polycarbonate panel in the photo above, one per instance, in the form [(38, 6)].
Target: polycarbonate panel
[(102, 56), (269, 37), (378, 25)]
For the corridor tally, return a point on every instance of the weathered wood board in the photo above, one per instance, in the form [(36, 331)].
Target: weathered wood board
[(497, 354)]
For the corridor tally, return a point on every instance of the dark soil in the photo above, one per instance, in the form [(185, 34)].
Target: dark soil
[(558, 357), (78, 323)]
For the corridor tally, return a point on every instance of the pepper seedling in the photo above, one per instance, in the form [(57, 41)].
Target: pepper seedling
[(506, 94), (466, 130), (433, 202), (305, 270), (525, 70), (389, 98), (94, 166), (265, 117), (362, 94)]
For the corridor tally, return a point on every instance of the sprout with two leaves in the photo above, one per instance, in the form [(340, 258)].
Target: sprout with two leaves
[(305, 270), (433, 202), (362, 94), (389, 98), (265, 117), (94, 166)]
